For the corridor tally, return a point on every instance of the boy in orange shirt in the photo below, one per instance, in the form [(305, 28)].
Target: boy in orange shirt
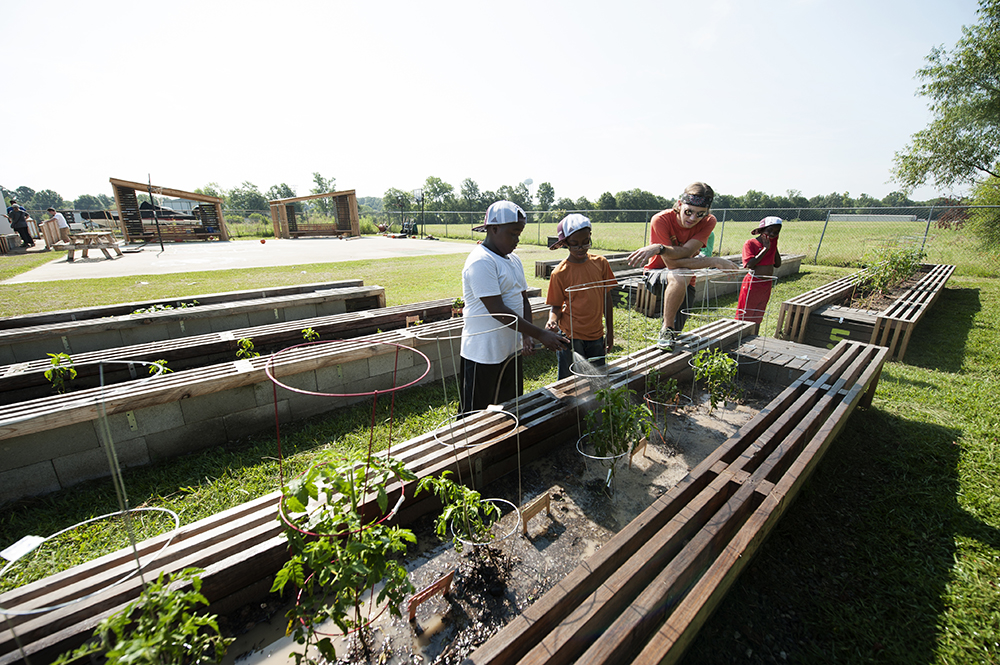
[(580, 289)]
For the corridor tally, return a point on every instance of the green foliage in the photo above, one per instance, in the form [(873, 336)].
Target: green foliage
[(160, 628), (718, 370), (162, 307), (458, 303), (323, 185), (159, 367), (60, 372), (246, 198), (985, 222), (310, 335), (886, 266), (471, 517), (662, 389), (962, 141), (350, 555), (245, 349), (618, 423)]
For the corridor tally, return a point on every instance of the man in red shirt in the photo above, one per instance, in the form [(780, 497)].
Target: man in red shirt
[(677, 237)]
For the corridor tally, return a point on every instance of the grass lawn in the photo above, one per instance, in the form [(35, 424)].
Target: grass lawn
[(890, 554)]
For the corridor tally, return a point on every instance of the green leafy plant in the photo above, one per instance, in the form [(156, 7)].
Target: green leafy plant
[(663, 390), (458, 303), (61, 371), (617, 425), (471, 517), (718, 371), (887, 266), (159, 367), (336, 555), (160, 628), (246, 350), (310, 335), (161, 307)]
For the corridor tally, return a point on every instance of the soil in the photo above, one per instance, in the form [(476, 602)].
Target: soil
[(494, 583), (877, 302)]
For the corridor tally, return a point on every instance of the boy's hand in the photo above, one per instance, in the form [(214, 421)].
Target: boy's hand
[(552, 341)]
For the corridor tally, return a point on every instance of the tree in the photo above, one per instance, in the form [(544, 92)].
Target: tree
[(212, 189), (962, 142), (546, 195), (396, 199), (519, 194), (437, 192), (470, 192), (281, 191), (24, 194), (985, 222), (246, 198), (323, 185), (91, 202), (605, 202), (565, 204), (46, 198), (583, 203)]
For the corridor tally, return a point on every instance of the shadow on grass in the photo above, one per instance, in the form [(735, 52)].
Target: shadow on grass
[(939, 341), (857, 569)]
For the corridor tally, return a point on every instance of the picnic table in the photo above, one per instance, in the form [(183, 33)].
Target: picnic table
[(102, 240)]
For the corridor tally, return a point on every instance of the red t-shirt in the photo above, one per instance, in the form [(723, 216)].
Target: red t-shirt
[(666, 230), (753, 246)]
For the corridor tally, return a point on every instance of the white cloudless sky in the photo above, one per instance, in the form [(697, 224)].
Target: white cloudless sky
[(776, 95)]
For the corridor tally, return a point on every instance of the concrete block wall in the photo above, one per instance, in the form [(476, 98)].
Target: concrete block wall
[(54, 459)]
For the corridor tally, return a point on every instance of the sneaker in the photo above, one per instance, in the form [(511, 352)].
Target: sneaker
[(665, 342)]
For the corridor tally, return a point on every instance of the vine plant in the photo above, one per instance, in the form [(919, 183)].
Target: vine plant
[(718, 370), (887, 266), (471, 517), (336, 555)]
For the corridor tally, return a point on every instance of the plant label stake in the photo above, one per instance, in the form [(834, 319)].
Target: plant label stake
[(442, 585), (534, 508), (639, 446)]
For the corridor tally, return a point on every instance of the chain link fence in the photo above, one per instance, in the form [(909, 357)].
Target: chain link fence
[(831, 236)]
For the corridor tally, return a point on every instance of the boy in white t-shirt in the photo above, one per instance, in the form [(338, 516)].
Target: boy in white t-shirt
[(497, 315)]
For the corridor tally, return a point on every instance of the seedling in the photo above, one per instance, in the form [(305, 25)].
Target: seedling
[(159, 367), (61, 371), (470, 516), (310, 335), (617, 425), (246, 350), (718, 370)]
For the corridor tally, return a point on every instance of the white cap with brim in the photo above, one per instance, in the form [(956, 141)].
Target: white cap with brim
[(501, 212), (569, 225), (766, 222)]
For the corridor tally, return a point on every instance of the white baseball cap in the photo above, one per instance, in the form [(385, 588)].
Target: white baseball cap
[(501, 212), (766, 222), (569, 225)]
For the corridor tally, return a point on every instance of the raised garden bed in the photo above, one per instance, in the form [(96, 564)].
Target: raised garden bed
[(751, 467), (823, 316)]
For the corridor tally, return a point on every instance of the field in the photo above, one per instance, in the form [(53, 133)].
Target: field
[(892, 554)]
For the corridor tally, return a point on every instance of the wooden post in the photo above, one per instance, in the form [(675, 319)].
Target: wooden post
[(442, 585), (535, 507)]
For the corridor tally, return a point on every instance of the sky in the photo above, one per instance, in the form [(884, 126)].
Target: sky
[(808, 95)]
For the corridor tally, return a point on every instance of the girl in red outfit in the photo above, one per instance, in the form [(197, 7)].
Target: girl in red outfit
[(760, 257)]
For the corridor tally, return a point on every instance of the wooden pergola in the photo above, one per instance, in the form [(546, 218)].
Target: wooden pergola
[(211, 223), (287, 226)]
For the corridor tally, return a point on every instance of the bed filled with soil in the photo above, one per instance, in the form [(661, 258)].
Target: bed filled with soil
[(495, 583)]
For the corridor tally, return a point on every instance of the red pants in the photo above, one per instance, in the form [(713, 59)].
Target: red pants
[(754, 294)]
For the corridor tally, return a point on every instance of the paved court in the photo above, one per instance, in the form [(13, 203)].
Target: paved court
[(197, 256)]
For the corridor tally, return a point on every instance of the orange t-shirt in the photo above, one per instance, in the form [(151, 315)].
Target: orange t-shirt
[(583, 308), (667, 230)]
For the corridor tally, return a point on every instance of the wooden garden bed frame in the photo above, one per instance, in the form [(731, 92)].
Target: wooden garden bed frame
[(242, 548), (32, 337), (134, 228), (818, 316), (348, 222), (643, 596), (26, 380)]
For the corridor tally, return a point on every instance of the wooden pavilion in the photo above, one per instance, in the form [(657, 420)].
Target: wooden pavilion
[(345, 210), (206, 221)]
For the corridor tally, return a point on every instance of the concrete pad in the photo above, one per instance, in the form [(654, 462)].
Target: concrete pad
[(197, 256)]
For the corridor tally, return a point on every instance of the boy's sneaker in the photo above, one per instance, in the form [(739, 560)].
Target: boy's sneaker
[(665, 342)]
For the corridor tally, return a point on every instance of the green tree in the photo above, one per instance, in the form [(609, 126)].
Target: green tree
[(985, 222), (519, 194), (212, 189), (437, 193), (962, 142), (281, 191), (470, 193), (583, 203), (565, 204), (246, 198), (897, 199), (45, 199), (546, 195), (323, 185), (24, 194), (396, 199), (91, 202)]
